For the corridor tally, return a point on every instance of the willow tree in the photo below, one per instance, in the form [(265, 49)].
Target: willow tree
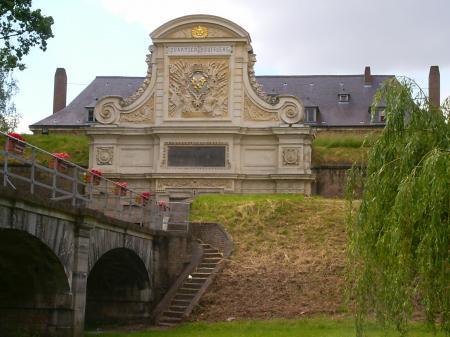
[(398, 250)]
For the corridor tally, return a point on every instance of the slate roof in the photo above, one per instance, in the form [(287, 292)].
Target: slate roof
[(315, 90)]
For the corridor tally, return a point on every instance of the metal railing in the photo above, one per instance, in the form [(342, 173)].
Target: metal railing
[(29, 169)]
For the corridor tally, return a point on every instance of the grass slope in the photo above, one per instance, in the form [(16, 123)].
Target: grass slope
[(272, 328), (77, 146), (288, 259), (342, 147)]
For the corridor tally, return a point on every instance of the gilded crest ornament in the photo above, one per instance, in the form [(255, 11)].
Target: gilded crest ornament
[(198, 88), (199, 32)]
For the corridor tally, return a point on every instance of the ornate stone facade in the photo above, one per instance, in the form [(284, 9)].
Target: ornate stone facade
[(201, 122)]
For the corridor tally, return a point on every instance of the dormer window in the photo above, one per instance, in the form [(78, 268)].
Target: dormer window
[(311, 113), (344, 98), (90, 116), (379, 115)]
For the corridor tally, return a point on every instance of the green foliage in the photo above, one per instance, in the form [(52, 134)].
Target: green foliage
[(21, 29), (9, 117), (317, 327), (398, 246)]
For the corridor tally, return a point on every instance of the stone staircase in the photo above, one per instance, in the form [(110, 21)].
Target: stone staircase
[(193, 286)]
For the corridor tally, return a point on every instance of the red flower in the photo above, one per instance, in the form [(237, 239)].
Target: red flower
[(61, 155), (122, 184), (17, 136), (95, 172), (146, 195)]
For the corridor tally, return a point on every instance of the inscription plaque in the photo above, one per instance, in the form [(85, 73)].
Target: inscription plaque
[(196, 156)]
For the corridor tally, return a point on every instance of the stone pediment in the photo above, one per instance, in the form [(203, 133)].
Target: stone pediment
[(200, 31), (199, 27)]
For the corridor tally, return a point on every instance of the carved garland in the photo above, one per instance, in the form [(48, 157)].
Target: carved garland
[(143, 114), (227, 153), (254, 113), (271, 99), (190, 183), (130, 99)]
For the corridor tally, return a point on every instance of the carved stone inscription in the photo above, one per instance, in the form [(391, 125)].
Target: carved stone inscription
[(198, 88), (196, 156)]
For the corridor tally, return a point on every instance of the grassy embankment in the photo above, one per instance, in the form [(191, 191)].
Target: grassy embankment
[(330, 148), (77, 146), (288, 260)]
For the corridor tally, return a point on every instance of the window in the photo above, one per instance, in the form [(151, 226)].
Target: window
[(344, 98), (379, 116), (311, 114), (91, 117)]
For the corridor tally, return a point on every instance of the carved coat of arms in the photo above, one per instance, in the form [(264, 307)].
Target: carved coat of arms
[(198, 89)]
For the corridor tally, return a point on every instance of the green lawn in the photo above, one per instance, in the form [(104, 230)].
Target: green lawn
[(279, 328)]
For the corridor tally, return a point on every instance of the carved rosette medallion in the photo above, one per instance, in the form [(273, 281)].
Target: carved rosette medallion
[(291, 157), (198, 88), (143, 114), (254, 113), (199, 32), (105, 155), (194, 183)]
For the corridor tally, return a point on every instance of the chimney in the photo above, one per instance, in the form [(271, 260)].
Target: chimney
[(367, 76), (434, 86), (60, 90)]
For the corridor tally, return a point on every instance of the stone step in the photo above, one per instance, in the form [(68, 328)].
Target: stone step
[(166, 324), (180, 303), (207, 265), (184, 297), (192, 285), (201, 274), (173, 314), (210, 250), (204, 270), (186, 291), (213, 255), (211, 260), (176, 227), (196, 280), (169, 320), (177, 308)]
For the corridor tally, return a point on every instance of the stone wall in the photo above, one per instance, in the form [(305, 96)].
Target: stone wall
[(330, 180)]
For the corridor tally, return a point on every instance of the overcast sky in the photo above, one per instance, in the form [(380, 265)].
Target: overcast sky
[(290, 37)]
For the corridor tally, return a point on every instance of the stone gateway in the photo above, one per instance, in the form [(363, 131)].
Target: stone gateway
[(200, 122)]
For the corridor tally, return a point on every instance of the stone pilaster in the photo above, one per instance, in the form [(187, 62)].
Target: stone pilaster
[(79, 280)]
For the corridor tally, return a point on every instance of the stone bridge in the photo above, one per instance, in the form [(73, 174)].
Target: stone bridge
[(63, 267)]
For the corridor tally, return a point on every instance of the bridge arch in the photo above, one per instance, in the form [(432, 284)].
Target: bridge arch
[(118, 289), (35, 294)]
